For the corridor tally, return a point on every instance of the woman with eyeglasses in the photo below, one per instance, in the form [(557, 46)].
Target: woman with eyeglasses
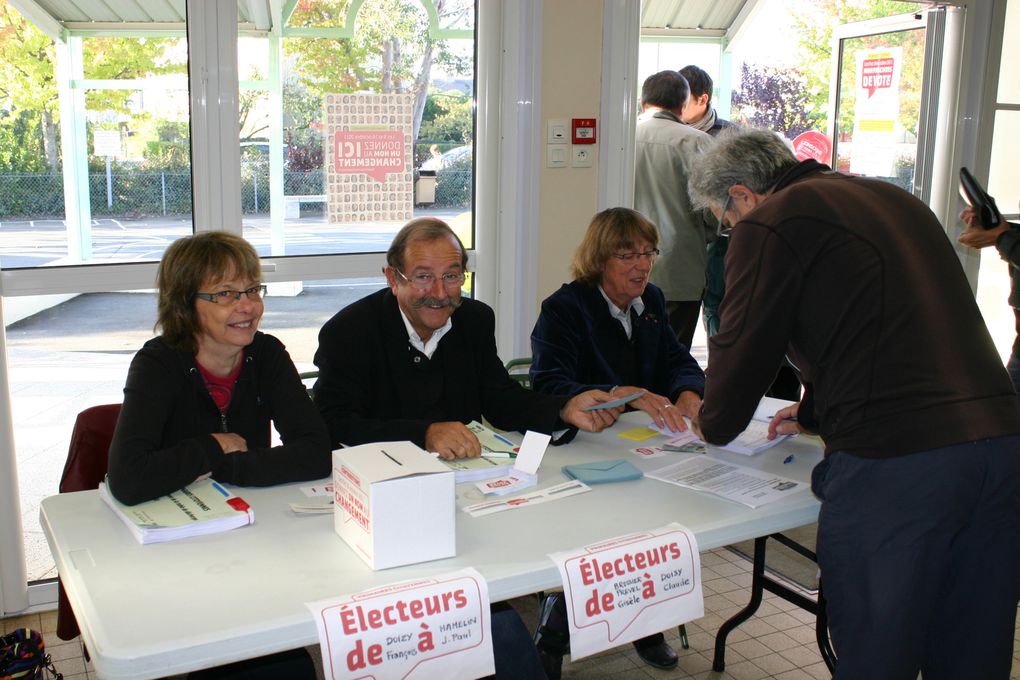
[(609, 330), (199, 398)]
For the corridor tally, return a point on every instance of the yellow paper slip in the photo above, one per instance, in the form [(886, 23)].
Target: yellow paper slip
[(638, 434)]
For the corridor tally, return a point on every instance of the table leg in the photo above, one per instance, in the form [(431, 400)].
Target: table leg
[(760, 583), (757, 575)]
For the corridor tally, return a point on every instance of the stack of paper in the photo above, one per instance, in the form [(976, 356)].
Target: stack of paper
[(498, 456), (475, 469), (201, 508), (492, 442)]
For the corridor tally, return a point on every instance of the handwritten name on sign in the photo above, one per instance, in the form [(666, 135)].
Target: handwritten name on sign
[(630, 587), (436, 627), (375, 153)]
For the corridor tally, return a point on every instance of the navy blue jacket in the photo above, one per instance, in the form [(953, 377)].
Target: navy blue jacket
[(577, 345)]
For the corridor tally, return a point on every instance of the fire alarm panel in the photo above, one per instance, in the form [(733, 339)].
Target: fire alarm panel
[(582, 131)]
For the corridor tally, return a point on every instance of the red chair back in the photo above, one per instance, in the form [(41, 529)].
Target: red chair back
[(87, 459)]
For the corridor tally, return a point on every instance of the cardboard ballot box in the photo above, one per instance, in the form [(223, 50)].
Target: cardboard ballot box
[(394, 504)]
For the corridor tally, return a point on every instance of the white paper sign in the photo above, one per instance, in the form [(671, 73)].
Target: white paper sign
[(550, 493), (501, 486), (630, 587), (531, 452), (427, 628), (649, 451)]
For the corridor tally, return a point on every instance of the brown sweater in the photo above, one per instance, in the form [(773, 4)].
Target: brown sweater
[(856, 280)]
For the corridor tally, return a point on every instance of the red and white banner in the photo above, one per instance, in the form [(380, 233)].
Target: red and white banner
[(629, 587), (427, 628)]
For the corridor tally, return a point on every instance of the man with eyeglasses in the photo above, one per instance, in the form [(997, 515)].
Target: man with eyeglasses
[(855, 280), (416, 361), (665, 148)]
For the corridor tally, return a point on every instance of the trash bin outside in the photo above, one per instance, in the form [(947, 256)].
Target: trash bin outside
[(425, 187)]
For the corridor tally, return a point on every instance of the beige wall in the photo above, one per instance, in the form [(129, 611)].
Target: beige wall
[(571, 88)]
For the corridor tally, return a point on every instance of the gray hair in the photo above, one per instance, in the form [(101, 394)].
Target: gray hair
[(741, 155)]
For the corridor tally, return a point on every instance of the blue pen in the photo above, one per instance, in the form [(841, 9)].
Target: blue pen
[(788, 459), (502, 439)]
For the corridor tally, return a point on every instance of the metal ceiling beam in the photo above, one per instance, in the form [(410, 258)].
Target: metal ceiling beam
[(42, 19), (739, 26), (684, 32)]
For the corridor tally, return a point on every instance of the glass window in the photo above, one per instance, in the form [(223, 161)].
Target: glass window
[(1009, 77), (1004, 174), (94, 147), (376, 125)]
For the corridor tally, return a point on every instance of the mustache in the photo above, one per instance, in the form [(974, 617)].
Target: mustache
[(429, 301)]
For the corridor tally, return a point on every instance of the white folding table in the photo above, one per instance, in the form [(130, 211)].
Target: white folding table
[(149, 611)]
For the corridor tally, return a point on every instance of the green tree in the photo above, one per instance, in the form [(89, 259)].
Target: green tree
[(28, 92), (447, 118), (28, 87), (391, 50), (775, 99)]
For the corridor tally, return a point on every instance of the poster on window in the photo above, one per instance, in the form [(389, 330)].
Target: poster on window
[(368, 157), (876, 112)]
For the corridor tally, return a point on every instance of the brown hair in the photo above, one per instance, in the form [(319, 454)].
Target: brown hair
[(186, 265), (609, 231), (421, 229)]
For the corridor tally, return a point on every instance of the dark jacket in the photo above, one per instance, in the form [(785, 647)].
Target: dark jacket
[(577, 345), (856, 278), (163, 438), (374, 386)]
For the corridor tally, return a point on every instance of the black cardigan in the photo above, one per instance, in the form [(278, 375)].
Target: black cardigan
[(367, 367), (163, 438)]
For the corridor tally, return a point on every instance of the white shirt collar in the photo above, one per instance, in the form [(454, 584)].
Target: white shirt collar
[(426, 348), (623, 315)]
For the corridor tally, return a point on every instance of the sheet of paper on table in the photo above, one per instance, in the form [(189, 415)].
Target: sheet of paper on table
[(733, 482)]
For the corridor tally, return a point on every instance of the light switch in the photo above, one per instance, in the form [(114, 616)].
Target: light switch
[(556, 156), (559, 131)]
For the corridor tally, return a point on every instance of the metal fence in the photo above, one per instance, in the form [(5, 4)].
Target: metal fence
[(136, 192)]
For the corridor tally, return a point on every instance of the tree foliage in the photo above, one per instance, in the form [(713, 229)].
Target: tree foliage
[(447, 118), (775, 99), (28, 87), (391, 51)]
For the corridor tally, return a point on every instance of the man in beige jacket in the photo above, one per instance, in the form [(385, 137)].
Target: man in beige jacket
[(665, 149)]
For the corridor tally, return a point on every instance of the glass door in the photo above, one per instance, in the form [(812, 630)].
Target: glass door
[(876, 98)]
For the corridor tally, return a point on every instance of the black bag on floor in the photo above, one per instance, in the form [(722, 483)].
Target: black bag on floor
[(23, 656)]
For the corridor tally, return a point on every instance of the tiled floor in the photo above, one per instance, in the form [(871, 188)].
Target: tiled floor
[(777, 643)]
